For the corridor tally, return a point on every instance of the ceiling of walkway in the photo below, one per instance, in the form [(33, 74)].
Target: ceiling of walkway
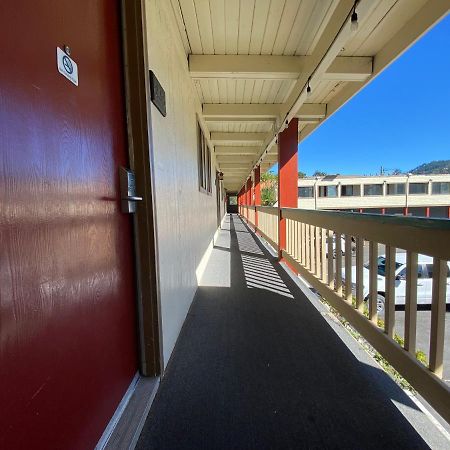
[(251, 61)]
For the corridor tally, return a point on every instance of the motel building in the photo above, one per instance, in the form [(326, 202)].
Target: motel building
[(415, 195), (135, 312)]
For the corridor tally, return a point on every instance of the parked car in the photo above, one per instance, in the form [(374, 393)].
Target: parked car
[(342, 245), (424, 280)]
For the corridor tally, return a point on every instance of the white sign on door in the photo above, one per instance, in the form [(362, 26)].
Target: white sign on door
[(67, 66)]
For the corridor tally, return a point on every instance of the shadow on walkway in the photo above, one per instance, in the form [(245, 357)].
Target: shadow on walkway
[(256, 366)]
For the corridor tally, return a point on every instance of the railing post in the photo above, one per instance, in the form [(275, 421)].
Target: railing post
[(287, 177), (257, 174)]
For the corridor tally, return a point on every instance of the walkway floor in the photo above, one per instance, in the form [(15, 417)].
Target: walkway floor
[(257, 366)]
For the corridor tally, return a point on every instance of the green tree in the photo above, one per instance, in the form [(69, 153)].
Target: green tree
[(269, 183), (318, 173), (268, 197), (301, 174)]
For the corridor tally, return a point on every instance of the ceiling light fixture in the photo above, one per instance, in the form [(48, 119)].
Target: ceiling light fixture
[(354, 19), (308, 87)]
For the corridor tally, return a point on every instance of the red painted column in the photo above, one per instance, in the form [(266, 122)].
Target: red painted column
[(240, 201), (257, 173), (448, 213), (405, 211), (427, 211), (383, 211), (287, 177), (249, 194)]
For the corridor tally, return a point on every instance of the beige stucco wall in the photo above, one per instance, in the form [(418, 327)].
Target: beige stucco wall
[(186, 218)]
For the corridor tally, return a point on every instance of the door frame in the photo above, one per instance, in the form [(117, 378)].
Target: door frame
[(140, 148)]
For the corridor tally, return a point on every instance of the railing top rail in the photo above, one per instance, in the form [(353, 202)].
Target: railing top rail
[(268, 209), (422, 235)]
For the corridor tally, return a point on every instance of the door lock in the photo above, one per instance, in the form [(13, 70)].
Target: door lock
[(128, 191)]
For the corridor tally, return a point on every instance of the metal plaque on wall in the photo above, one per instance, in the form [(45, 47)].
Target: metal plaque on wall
[(157, 94)]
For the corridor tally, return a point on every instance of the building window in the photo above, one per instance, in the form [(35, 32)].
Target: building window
[(350, 190), (327, 191), (396, 189), (418, 188), (440, 188), (373, 189), (232, 200), (204, 163), (306, 192)]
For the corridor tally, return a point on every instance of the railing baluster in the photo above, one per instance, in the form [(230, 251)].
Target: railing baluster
[(307, 246), (373, 281), (317, 248), (338, 245), (297, 240), (389, 300), (359, 274), (348, 268), (303, 249), (330, 259), (312, 250), (288, 236), (292, 252), (411, 302), (438, 316), (300, 242), (294, 239), (324, 254)]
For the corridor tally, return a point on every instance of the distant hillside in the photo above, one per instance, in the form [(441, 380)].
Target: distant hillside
[(432, 167)]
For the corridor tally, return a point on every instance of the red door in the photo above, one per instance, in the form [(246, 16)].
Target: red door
[(67, 314)]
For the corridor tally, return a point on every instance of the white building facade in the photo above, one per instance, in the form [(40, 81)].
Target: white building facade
[(417, 195)]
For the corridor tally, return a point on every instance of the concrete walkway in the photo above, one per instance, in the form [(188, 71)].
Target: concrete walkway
[(259, 365)]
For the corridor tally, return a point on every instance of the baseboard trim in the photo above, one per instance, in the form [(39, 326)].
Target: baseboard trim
[(125, 426)]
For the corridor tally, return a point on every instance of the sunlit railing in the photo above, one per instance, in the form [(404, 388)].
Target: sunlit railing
[(327, 250), (268, 224)]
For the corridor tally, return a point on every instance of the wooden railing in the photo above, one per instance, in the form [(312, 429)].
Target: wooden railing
[(312, 237)]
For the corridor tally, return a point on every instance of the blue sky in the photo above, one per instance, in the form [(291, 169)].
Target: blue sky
[(400, 120)]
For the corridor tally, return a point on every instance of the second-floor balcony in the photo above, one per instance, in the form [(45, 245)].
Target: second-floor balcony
[(262, 363)]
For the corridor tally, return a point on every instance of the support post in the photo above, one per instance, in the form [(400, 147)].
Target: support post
[(287, 177), (257, 174), (239, 201), (249, 195)]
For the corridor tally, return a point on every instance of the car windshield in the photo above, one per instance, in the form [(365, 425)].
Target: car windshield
[(382, 265)]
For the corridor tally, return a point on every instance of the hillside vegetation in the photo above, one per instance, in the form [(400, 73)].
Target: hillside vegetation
[(433, 167)]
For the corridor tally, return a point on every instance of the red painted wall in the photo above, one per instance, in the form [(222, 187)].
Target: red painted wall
[(67, 316)]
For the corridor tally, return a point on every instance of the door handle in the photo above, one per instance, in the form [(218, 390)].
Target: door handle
[(128, 195)]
